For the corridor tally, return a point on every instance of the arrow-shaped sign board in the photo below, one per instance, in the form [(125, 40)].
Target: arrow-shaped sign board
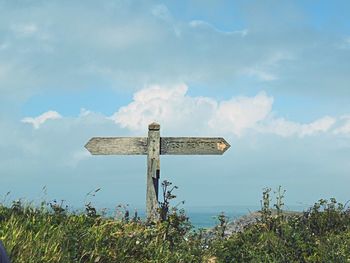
[(168, 145), (117, 145), (193, 145)]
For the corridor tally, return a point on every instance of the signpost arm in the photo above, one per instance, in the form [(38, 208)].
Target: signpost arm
[(153, 171)]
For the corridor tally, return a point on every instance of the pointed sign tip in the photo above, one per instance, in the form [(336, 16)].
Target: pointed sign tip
[(224, 145), (87, 146)]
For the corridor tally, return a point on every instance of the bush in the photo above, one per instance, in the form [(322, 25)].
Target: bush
[(321, 234)]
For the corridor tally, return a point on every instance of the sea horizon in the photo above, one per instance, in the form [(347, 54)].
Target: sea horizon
[(199, 216)]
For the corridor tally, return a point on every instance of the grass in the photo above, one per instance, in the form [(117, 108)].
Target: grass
[(49, 233)]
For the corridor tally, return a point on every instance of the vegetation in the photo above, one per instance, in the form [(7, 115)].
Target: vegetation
[(50, 233), (320, 234)]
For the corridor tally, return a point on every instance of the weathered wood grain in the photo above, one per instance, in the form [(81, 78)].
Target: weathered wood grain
[(117, 145), (153, 171), (193, 145)]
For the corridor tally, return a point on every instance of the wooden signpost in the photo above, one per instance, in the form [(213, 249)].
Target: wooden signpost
[(153, 146)]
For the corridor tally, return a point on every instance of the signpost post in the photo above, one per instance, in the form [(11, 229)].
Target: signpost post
[(153, 146)]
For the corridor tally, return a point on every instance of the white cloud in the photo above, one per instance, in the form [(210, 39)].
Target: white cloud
[(84, 112), (41, 119), (206, 25), (321, 125), (263, 70), (286, 128), (238, 114), (168, 105), (344, 128), (260, 74), (177, 111)]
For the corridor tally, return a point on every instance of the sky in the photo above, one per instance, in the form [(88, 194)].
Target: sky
[(271, 77)]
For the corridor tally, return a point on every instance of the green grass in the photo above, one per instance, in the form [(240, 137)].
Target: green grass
[(51, 234)]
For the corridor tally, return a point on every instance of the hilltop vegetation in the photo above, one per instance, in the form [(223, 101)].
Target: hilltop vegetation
[(51, 234)]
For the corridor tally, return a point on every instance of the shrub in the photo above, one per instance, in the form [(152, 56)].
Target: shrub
[(321, 234)]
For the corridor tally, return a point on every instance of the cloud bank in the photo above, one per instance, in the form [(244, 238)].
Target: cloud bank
[(180, 113), (175, 109), (128, 44)]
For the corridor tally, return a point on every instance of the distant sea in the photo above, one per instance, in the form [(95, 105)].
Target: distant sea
[(206, 217)]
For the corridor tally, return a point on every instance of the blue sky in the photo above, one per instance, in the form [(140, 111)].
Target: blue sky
[(271, 77)]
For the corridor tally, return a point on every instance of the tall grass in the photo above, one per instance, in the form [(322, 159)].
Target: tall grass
[(49, 233), (46, 235)]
